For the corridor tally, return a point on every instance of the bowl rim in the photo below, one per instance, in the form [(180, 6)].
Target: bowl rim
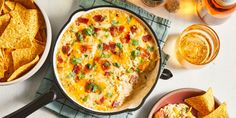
[(168, 94), (56, 47), (44, 56)]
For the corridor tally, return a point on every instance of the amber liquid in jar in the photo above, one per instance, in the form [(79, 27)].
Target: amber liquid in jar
[(215, 11), (197, 45), (194, 47)]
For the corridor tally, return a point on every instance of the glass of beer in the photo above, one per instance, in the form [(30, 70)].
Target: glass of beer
[(197, 45)]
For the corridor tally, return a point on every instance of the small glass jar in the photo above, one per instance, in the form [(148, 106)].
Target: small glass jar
[(197, 45), (152, 3), (215, 12)]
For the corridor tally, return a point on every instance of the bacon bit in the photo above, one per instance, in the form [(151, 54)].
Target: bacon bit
[(100, 101), (96, 29), (107, 73), (113, 30), (112, 45), (127, 37), (86, 69), (105, 46), (121, 29), (66, 49), (147, 38), (77, 68), (82, 20), (133, 79), (115, 104), (96, 59), (133, 28), (59, 59), (84, 48), (145, 54), (105, 65), (98, 18)]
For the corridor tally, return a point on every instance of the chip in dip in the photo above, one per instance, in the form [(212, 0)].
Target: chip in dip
[(22, 37), (102, 56), (175, 111)]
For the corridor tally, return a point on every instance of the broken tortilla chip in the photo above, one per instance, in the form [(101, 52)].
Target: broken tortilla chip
[(2, 70), (23, 56), (220, 112), (29, 4), (15, 35), (11, 5), (23, 69), (1, 5), (29, 18), (203, 103), (4, 20)]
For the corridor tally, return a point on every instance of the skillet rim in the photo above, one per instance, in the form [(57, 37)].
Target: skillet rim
[(101, 112)]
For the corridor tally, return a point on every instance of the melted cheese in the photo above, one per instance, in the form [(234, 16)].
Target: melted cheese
[(98, 68)]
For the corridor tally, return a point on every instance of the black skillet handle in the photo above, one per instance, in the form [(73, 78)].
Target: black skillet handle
[(34, 105), (166, 74)]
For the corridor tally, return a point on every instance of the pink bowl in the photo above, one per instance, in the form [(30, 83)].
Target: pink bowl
[(178, 96)]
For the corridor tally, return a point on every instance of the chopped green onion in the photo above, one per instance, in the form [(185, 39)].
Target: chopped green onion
[(116, 65), (80, 36), (129, 70), (104, 55), (81, 75), (106, 35), (114, 22), (134, 42), (85, 98), (119, 45), (85, 55), (100, 46), (137, 70), (90, 66), (75, 60), (141, 61), (129, 19), (105, 30), (89, 30), (71, 75), (135, 53), (93, 87), (151, 49), (106, 64)]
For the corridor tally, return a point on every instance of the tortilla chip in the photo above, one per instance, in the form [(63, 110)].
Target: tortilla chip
[(1, 5), (29, 18), (41, 36), (2, 70), (11, 5), (23, 69), (220, 112), (24, 56), (4, 20), (15, 36), (29, 4), (204, 103)]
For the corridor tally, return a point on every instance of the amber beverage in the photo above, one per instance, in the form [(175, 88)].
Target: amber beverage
[(215, 12), (197, 45)]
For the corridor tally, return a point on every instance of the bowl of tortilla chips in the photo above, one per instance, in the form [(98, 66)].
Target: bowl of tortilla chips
[(199, 104), (25, 40)]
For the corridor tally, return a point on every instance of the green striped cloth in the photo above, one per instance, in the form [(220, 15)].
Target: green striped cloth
[(63, 106)]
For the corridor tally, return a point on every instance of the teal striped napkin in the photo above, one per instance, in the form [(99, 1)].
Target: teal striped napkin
[(63, 106)]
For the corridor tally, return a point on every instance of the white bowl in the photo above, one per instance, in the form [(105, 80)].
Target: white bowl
[(42, 58)]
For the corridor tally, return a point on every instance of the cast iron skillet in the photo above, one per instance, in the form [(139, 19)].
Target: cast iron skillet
[(133, 104)]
